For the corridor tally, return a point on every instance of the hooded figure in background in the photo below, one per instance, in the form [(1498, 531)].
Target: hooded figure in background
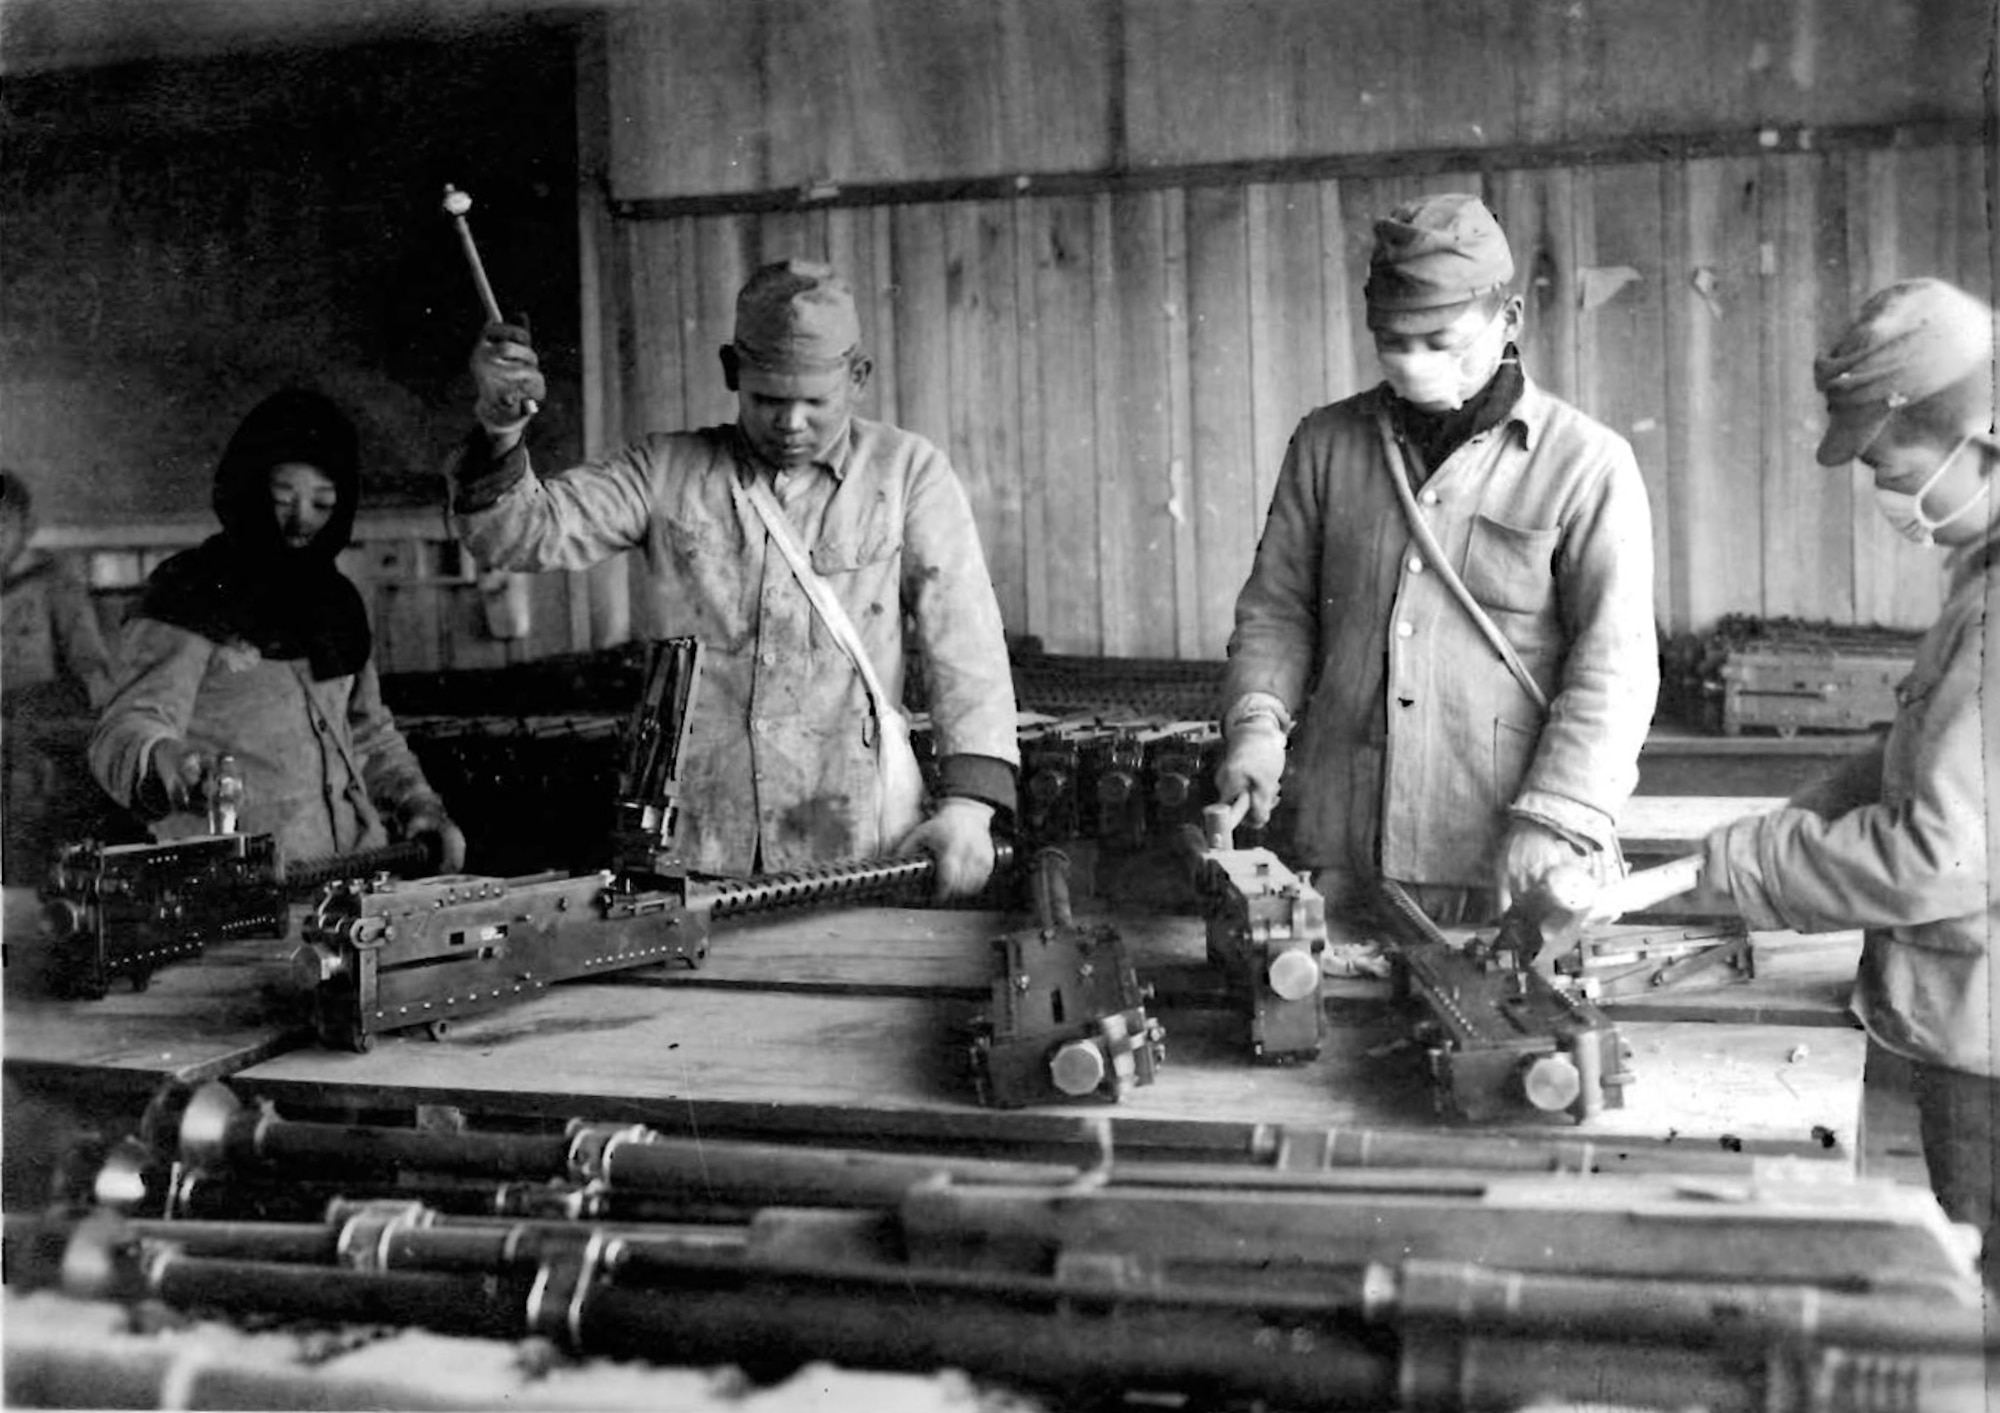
[(54, 675), (254, 645)]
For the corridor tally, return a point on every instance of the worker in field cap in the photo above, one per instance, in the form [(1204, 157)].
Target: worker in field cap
[(792, 759), (1444, 654), (1900, 841)]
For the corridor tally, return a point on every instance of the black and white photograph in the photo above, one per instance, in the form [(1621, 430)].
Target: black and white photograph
[(1000, 706)]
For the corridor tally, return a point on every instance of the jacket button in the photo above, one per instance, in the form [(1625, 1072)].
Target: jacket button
[(768, 657), (1416, 565), (1405, 629), (1429, 497)]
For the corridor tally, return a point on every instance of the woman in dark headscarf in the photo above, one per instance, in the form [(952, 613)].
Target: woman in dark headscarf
[(254, 645)]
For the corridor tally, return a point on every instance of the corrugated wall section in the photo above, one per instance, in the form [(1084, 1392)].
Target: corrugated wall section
[(1115, 365)]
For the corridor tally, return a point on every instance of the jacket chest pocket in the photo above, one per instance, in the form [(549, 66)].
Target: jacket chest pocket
[(865, 575), (1510, 569)]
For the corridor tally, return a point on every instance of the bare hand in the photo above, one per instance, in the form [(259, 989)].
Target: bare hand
[(960, 837)]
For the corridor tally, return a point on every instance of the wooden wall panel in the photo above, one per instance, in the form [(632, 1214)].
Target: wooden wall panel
[(1714, 308), (1116, 365), (1138, 512), (1621, 350), (1116, 377), (1061, 505), (788, 93), (1227, 513), (1808, 516), (984, 343)]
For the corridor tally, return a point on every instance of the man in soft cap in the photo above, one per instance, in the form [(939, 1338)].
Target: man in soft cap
[(782, 771), (1900, 841), (1413, 748)]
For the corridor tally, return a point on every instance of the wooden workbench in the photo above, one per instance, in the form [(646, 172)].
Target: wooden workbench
[(849, 1022)]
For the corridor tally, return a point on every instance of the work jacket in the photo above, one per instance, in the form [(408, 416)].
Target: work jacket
[(50, 631), (322, 761), (1900, 843), (1414, 741), (780, 770)]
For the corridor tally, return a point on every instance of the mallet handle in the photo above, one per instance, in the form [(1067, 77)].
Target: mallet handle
[(1648, 886), (456, 210)]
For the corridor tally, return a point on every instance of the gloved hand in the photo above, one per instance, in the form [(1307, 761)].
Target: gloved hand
[(1530, 852), (432, 825), (508, 375), (182, 773), (1252, 764), (960, 837)]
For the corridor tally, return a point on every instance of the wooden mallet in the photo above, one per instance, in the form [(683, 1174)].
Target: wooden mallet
[(1552, 917), (456, 204)]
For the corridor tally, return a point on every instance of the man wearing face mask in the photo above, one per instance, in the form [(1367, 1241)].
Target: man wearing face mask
[(1899, 842), (1461, 758)]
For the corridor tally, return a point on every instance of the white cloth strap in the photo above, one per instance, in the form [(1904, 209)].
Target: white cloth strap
[(818, 592)]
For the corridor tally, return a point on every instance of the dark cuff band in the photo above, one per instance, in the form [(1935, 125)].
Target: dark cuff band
[(480, 477), (986, 778)]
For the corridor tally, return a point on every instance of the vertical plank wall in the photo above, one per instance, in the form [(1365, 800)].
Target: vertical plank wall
[(1116, 376), (1110, 252)]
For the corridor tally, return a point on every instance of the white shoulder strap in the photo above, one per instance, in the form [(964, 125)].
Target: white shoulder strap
[(817, 591)]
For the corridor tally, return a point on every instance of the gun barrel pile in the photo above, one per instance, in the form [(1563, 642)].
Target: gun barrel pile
[(1763, 1289)]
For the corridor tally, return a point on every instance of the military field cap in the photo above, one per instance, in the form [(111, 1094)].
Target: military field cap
[(1910, 341), (1432, 257), (796, 316)]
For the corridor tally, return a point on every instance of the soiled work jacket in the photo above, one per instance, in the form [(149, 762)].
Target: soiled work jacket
[(780, 770), (1414, 741), (322, 761), (1900, 843)]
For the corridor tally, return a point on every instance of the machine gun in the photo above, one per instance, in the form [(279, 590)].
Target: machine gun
[(1068, 1017), (111, 910), (1501, 1037), (1433, 1288), (381, 956), (1266, 930)]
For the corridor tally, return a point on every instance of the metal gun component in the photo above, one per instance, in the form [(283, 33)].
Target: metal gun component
[(1476, 1293), (1051, 764), (385, 956), (127, 909), (1179, 772), (1635, 963), (1067, 1019), (1266, 930), (647, 814), (1502, 1040), (1114, 763), (382, 957), (601, 1167)]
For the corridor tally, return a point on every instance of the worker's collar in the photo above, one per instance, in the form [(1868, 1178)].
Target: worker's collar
[(834, 463), (1533, 410)]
